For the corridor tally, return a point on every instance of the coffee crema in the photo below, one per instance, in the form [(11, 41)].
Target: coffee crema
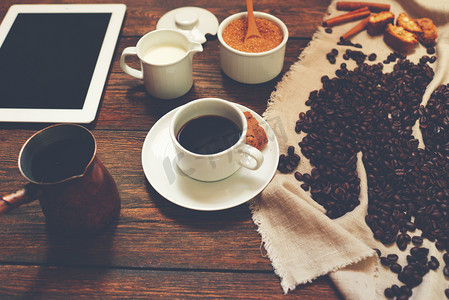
[(208, 134)]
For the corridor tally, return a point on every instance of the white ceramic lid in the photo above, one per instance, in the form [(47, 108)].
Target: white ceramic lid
[(195, 22)]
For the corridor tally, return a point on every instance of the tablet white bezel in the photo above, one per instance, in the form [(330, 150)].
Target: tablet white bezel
[(91, 105)]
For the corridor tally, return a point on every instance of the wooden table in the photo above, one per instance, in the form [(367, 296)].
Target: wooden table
[(155, 249)]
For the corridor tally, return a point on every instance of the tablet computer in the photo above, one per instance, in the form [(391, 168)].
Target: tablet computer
[(54, 60)]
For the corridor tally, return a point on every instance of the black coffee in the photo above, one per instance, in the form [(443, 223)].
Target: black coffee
[(208, 134), (61, 160)]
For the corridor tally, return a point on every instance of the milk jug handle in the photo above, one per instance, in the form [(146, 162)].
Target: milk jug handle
[(127, 69)]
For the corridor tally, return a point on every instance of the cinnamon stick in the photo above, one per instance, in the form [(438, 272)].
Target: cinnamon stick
[(356, 29), (337, 20), (348, 18), (373, 6)]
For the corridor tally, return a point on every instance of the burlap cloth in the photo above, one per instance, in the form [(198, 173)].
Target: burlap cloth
[(301, 242)]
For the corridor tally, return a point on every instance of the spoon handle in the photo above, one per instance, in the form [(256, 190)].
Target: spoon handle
[(249, 8), (252, 27)]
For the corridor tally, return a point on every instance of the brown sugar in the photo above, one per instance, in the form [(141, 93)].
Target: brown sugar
[(234, 35)]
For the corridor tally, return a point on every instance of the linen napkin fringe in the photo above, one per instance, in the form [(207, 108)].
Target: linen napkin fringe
[(279, 268)]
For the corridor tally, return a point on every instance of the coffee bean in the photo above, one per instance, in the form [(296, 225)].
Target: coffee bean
[(328, 30), (439, 245), (402, 240), (402, 246), (407, 273), (291, 150), (395, 268), (446, 271), (385, 261), (414, 251), (446, 292), (306, 177), (305, 187), (417, 240), (414, 281), (331, 57), (392, 57), (339, 73), (298, 176), (433, 264), (344, 42), (392, 257), (424, 59), (406, 291), (396, 290), (388, 292)]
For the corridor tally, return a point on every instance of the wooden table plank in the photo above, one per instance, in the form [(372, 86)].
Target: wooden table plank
[(41, 282), (302, 18)]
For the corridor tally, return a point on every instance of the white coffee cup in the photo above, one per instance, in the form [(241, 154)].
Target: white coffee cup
[(217, 166), (166, 62)]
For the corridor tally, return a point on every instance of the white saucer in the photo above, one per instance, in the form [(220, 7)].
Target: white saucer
[(159, 166)]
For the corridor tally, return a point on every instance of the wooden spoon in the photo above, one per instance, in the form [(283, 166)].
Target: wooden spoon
[(252, 27)]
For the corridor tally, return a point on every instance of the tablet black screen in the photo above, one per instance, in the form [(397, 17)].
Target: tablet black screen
[(47, 60)]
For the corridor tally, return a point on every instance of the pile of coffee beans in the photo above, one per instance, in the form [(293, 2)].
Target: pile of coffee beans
[(411, 275), (343, 42), (434, 122), (351, 113), (288, 163), (358, 56), (331, 56), (366, 110)]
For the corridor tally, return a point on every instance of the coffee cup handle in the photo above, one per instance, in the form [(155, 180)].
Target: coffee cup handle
[(14, 200), (252, 158), (127, 69)]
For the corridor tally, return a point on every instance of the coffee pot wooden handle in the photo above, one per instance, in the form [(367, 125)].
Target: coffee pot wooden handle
[(14, 200)]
